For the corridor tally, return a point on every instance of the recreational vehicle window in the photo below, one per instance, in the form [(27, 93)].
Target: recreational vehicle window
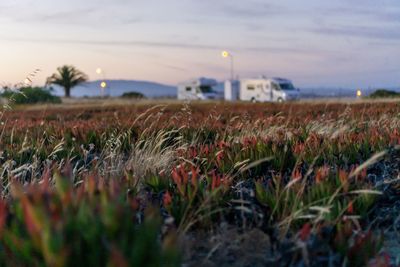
[(206, 89), (275, 87), (287, 86), (250, 87), (188, 89)]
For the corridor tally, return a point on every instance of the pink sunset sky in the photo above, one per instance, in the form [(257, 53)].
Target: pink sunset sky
[(314, 43)]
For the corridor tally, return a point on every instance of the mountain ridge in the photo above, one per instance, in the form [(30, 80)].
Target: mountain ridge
[(117, 87)]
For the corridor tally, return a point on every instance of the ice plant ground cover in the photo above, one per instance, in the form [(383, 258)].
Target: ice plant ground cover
[(213, 184)]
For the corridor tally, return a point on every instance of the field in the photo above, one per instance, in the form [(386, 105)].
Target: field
[(202, 184)]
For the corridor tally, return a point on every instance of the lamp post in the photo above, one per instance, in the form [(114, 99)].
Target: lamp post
[(103, 84), (226, 54), (359, 93)]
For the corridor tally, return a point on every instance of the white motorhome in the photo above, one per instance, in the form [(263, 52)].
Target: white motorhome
[(261, 90), (198, 89)]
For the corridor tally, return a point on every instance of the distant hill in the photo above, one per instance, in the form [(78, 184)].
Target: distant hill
[(116, 88), (327, 92), (337, 92)]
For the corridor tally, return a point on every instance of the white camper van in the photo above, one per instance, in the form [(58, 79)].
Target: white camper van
[(262, 90), (198, 89)]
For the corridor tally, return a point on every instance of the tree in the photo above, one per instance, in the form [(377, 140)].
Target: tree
[(67, 77)]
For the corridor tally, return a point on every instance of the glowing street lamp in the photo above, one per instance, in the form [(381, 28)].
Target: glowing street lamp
[(359, 94), (226, 54), (103, 86)]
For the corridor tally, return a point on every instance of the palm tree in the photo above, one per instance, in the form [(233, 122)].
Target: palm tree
[(67, 77)]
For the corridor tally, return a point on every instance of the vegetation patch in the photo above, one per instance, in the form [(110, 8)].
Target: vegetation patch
[(30, 95), (383, 93), (134, 95)]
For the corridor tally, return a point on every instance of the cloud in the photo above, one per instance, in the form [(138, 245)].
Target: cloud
[(374, 11), (251, 10), (88, 15), (129, 21), (175, 45), (62, 16), (234, 10), (6, 10), (172, 67), (371, 32), (66, 16)]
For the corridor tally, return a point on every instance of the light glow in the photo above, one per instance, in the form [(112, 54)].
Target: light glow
[(225, 54)]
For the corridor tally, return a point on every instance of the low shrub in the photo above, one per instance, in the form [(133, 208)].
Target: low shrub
[(30, 95), (94, 224), (383, 93), (135, 95)]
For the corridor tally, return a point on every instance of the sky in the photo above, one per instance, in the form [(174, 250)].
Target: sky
[(341, 43)]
